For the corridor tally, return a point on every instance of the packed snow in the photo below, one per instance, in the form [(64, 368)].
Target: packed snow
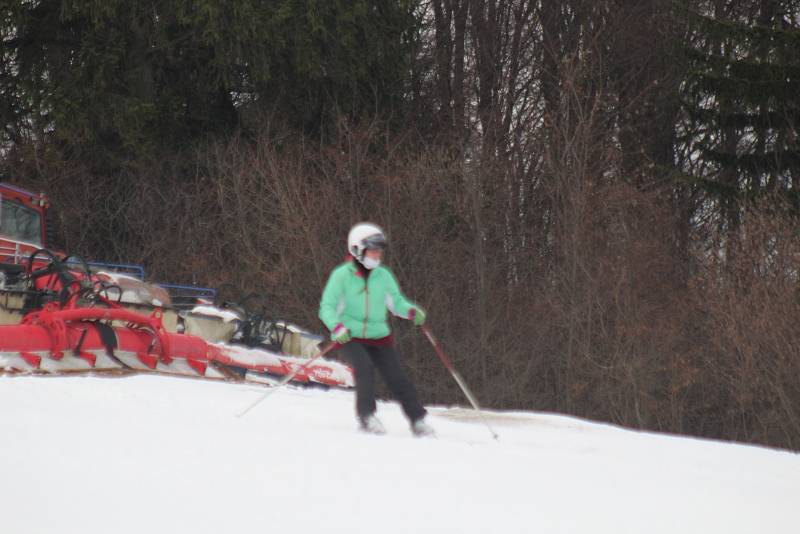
[(161, 454)]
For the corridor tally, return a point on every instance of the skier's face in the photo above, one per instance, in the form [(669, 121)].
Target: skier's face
[(374, 253)]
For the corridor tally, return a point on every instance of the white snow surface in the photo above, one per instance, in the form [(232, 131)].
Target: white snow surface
[(160, 454), (226, 316)]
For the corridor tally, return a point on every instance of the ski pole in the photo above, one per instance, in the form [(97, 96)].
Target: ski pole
[(288, 378), (460, 381)]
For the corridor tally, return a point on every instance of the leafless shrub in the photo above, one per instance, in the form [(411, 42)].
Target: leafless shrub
[(753, 351)]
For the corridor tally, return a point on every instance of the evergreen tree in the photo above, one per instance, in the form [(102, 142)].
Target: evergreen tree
[(742, 98), (108, 80)]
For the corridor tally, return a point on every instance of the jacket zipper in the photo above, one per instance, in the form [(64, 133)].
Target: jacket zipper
[(366, 308)]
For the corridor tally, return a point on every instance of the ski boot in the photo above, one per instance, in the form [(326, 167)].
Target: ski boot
[(422, 429), (371, 424)]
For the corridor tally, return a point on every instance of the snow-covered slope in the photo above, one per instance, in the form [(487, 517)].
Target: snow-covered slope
[(158, 454)]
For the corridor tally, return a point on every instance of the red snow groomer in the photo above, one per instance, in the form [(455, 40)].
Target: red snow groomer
[(60, 314)]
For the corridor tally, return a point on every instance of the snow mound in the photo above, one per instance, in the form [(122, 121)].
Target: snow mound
[(161, 454)]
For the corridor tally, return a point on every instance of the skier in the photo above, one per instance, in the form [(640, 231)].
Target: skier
[(354, 306)]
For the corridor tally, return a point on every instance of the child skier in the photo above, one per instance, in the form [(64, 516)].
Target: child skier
[(354, 306)]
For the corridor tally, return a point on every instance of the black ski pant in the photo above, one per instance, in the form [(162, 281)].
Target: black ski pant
[(364, 359)]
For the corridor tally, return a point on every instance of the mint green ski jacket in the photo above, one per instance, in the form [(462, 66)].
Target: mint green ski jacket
[(362, 305)]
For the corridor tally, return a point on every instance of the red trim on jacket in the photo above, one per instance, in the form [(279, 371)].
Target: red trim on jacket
[(387, 341)]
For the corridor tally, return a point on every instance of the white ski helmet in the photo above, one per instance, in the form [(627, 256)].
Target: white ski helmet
[(363, 236)]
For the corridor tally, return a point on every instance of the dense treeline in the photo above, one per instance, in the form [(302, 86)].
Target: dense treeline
[(596, 200)]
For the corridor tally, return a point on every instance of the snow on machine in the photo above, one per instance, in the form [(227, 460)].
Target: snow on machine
[(59, 314)]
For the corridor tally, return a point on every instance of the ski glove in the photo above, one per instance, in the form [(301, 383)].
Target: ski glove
[(341, 334), (416, 315)]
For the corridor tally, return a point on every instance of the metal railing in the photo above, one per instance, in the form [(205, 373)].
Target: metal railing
[(184, 296), (15, 251)]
